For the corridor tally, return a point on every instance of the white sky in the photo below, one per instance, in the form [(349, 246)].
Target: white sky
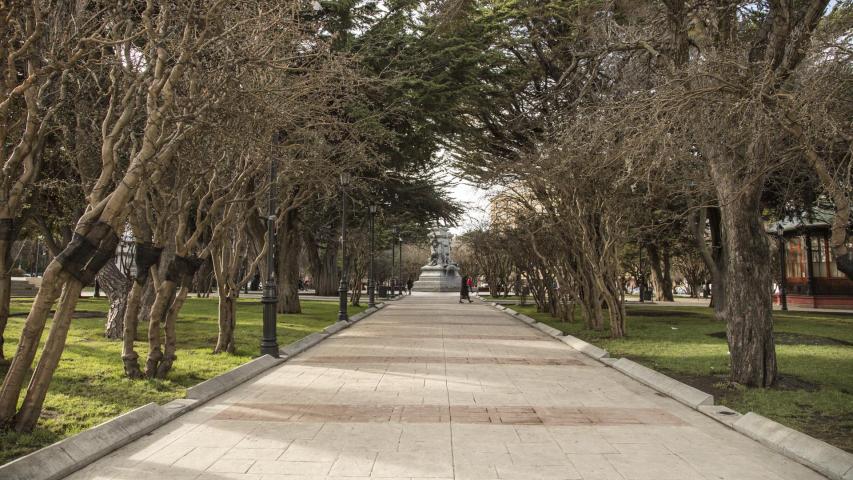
[(473, 200)]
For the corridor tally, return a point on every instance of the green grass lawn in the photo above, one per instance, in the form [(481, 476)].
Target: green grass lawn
[(89, 386), (814, 352)]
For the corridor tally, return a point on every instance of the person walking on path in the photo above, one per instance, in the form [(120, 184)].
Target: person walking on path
[(409, 285), (470, 283), (463, 290)]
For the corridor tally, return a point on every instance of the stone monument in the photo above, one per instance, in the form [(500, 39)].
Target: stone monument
[(440, 274)]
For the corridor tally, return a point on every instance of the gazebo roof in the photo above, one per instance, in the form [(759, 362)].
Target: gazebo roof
[(818, 218)]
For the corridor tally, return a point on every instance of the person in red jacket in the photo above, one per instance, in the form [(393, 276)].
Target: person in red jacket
[(464, 289)]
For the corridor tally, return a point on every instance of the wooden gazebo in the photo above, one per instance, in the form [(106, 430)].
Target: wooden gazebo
[(812, 278)]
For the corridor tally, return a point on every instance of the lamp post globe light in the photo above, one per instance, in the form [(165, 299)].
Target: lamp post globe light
[(269, 341), (783, 274), (371, 280), (343, 287)]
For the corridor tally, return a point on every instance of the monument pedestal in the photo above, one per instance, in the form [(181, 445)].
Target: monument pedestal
[(438, 278)]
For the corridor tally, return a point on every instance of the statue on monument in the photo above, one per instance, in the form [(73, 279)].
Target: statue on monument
[(440, 273), (440, 247)]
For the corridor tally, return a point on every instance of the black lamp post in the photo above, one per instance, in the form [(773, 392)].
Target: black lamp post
[(343, 288), (371, 281), (396, 234), (37, 256), (641, 279), (269, 341), (783, 278), (400, 267)]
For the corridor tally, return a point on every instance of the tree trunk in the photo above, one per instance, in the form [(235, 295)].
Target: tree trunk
[(324, 268), (30, 409), (615, 312), (595, 308), (225, 262), (116, 285), (52, 281), (614, 297), (77, 265), (288, 264), (131, 322), (746, 304), (227, 317), (715, 257), (203, 280), (328, 281), (147, 257), (171, 295), (355, 296), (591, 303), (165, 296), (171, 340), (587, 310), (5, 286), (667, 275), (149, 294), (661, 272), (566, 309)]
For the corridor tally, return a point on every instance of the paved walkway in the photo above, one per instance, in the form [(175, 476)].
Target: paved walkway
[(428, 388)]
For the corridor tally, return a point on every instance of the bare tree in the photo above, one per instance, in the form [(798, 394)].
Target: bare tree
[(154, 79), (42, 41)]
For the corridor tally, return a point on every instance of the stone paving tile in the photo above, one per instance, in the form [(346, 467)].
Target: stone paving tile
[(653, 466), (200, 458), (231, 465), (419, 464), (507, 415), (446, 338), (427, 388), (594, 466), (253, 453), (376, 359)]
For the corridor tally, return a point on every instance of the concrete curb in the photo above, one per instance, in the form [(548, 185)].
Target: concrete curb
[(180, 406), (548, 329), (303, 344), (545, 328), (684, 393), (587, 349), (811, 452), (361, 316), (724, 415), (337, 326), (68, 455), (220, 384)]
